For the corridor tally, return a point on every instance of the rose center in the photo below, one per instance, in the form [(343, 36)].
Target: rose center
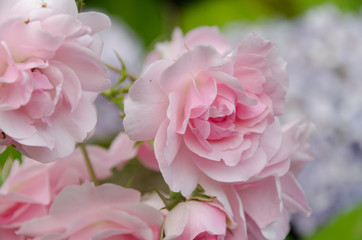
[(205, 236), (221, 118)]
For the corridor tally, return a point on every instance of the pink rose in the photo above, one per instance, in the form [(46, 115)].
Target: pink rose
[(261, 208), (50, 75), (24, 195), (31, 187), (210, 114), (105, 212), (194, 220)]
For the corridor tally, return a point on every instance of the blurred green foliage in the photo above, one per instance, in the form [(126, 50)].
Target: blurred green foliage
[(348, 226), (9, 152), (135, 175), (6, 159), (146, 17), (154, 20)]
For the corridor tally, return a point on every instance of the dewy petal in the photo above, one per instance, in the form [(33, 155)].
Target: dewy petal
[(249, 112), (243, 171), (17, 94), (280, 228), (71, 89), (89, 68), (160, 143), (40, 105), (95, 20), (68, 204), (194, 103), (206, 218), (179, 215), (24, 7), (67, 128), (29, 40), (145, 108), (228, 149), (239, 228), (182, 174), (207, 36), (180, 74), (262, 200), (108, 210), (251, 78), (62, 25), (271, 140), (200, 217), (293, 195), (9, 119), (255, 52), (121, 150), (30, 181), (234, 84)]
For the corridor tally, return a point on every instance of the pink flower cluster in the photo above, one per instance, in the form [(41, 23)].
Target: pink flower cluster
[(50, 75), (31, 187), (210, 111)]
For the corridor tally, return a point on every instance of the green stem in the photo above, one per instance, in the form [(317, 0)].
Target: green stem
[(131, 76), (162, 229), (89, 164)]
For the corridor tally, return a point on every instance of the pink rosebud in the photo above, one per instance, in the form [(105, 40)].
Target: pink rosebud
[(211, 114), (194, 220), (50, 75), (105, 212)]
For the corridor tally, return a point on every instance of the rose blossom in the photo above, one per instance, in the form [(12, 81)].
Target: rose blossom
[(209, 113), (50, 75), (105, 212), (261, 208), (24, 195), (195, 220), (31, 187)]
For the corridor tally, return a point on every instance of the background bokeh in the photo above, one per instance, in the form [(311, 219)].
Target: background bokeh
[(322, 43)]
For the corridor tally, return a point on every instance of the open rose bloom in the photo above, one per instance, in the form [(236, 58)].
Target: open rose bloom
[(214, 114), (207, 113), (50, 75)]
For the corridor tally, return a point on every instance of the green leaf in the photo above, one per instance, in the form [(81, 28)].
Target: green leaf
[(170, 203), (199, 195), (9, 152), (135, 175), (347, 226), (7, 157)]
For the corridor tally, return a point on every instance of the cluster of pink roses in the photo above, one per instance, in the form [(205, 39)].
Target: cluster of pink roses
[(210, 111)]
